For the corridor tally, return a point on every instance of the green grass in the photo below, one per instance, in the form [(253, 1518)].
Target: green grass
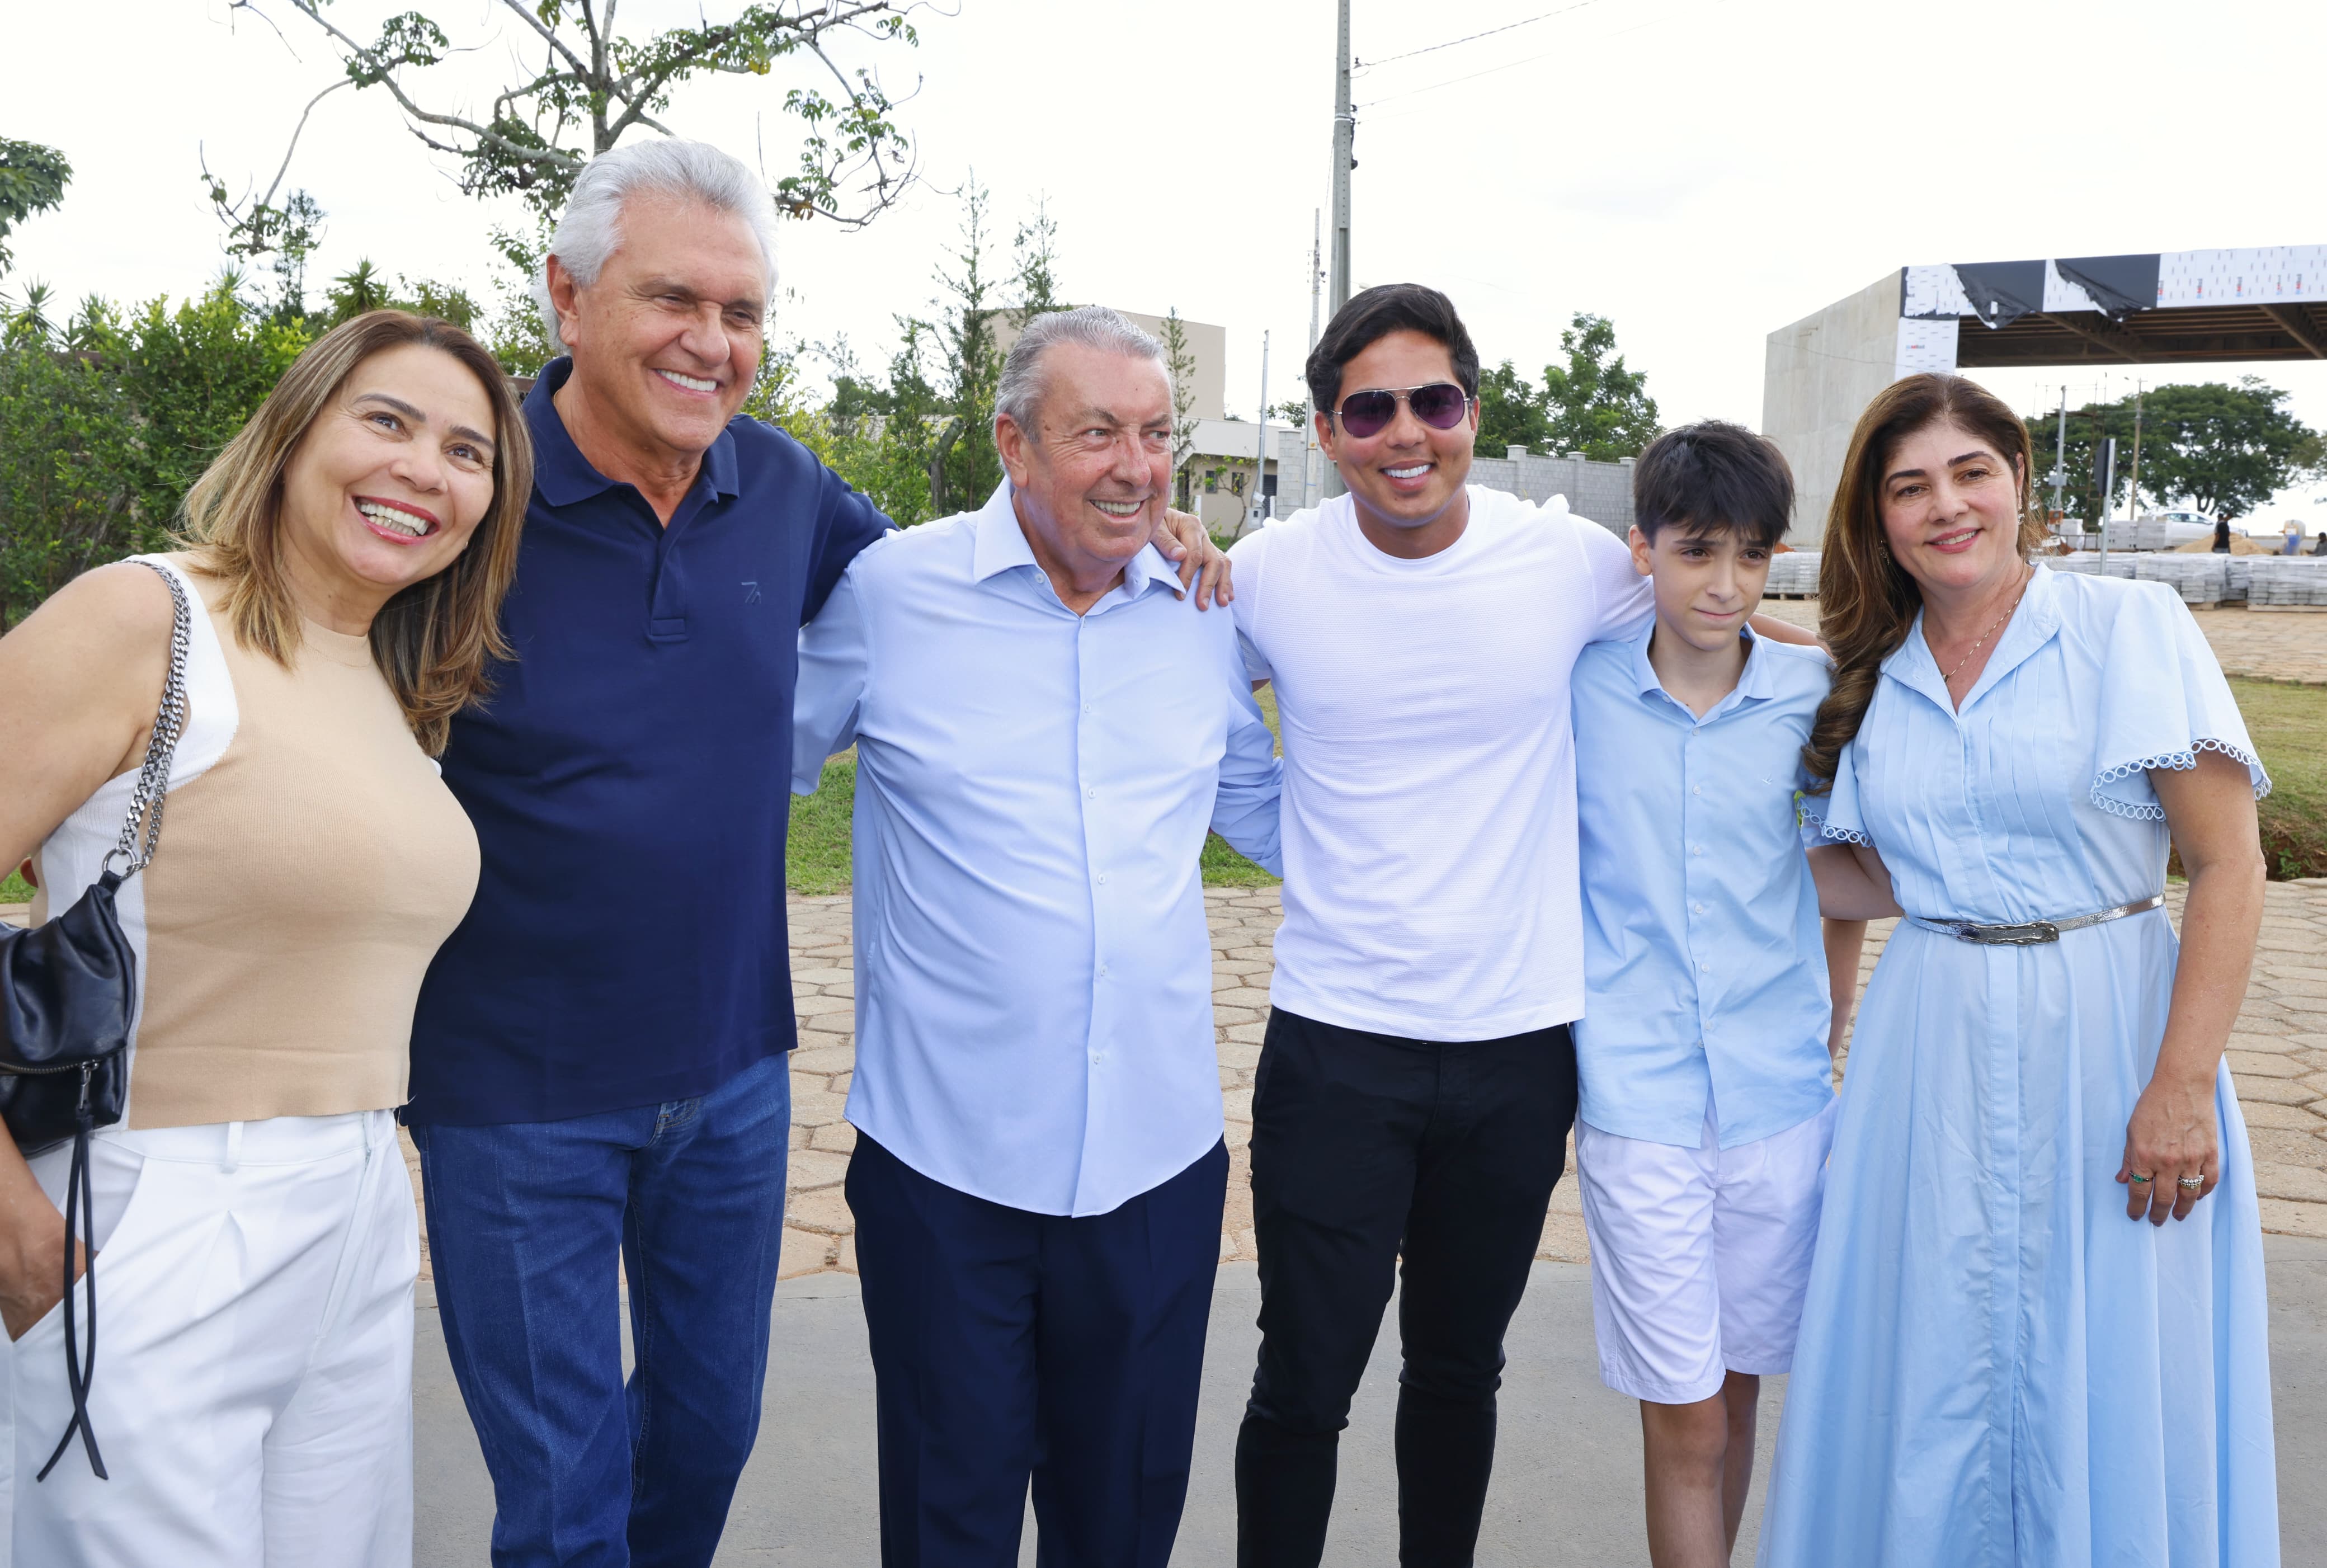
[(2289, 726), (817, 853), (15, 890)]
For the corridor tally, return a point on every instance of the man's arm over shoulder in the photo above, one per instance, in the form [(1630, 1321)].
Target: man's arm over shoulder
[(836, 662), (1621, 599), (1252, 778), (845, 523)]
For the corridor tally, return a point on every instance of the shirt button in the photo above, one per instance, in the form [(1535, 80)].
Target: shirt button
[(1097, 1057), (1102, 971), (1102, 877), (1090, 794), (1697, 909), (1697, 849), (1705, 969)]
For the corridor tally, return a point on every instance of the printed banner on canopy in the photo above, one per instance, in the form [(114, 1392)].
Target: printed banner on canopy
[(1926, 346), (1997, 293), (2270, 274)]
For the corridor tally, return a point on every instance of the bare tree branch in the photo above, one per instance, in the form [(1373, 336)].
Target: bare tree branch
[(595, 81), (525, 14)]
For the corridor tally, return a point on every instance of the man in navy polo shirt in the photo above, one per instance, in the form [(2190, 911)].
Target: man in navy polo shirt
[(597, 1058)]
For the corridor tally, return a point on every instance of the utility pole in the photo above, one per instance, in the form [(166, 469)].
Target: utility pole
[(1345, 127), (1309, 423), (1345, 130), (2133, 490), (2105, 479), (1260, 458), (2060, 474)]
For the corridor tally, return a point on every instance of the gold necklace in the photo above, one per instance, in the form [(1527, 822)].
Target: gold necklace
[(1992, 625)]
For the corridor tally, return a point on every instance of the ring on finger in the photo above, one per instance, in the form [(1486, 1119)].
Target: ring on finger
[(2191, 1183), (2140, 1180)]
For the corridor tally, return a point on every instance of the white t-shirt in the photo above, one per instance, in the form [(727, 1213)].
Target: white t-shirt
[(1430, 880)]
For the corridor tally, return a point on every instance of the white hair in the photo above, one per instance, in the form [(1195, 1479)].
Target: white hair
[(1092, 326), (590, 229)]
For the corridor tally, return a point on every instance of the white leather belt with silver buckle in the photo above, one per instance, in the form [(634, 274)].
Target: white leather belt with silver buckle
[(2031, 933)]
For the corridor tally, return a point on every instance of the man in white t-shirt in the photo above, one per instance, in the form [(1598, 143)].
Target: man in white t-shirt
[(1418, 1081)]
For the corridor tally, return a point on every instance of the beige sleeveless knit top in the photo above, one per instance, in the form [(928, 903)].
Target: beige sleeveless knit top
[(310, 861)]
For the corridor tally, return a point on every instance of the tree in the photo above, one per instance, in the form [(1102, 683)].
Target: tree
[(33, 179), (1511, 412), (1179, 360), (1596, 405), (105, 424), (962, 464), (517, 336), (1036, 248), (2229, 449), (1593, 405), (587, 86), (359, 289)]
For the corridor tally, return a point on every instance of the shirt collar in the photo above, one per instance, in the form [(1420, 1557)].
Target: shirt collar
[(2035, 620), (1752, 681), (1001, 545), (564, 476)]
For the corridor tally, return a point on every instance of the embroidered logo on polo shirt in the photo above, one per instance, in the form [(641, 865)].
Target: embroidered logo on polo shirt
[(751, 593)]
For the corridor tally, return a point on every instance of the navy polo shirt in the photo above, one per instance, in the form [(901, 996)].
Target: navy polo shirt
[(628, 779)]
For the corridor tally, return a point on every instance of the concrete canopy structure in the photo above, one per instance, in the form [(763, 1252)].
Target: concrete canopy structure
[(2204, 306)]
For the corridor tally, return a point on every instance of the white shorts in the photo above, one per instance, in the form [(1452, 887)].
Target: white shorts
[(253, 1397), (1699, 1256)]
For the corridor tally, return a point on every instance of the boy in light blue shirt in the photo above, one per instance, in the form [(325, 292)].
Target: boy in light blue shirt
[(1704, 1052)]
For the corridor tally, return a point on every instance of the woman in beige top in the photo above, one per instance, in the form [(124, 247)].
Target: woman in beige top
[(349, 553)]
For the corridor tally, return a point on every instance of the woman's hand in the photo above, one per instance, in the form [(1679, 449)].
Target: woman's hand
[(2173, 1136), (2210, 810), (31, 1257)]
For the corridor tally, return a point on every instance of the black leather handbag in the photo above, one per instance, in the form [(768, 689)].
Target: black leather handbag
[(68, 997)]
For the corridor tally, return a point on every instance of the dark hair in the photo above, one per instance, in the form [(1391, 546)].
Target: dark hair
[(1714, 475), (1373, 315), (1866, 601)]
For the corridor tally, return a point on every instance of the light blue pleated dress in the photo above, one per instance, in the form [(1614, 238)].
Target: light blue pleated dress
[(1996, 1367)]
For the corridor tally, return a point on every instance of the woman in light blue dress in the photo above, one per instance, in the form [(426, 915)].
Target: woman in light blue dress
[(2035, 1328)]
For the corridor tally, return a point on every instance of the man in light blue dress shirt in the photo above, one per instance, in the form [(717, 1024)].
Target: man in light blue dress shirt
[(1044, 734)]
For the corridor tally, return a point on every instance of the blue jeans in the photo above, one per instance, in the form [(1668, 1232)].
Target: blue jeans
[(524, 1221)]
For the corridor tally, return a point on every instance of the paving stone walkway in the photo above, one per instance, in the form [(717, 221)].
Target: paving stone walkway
[(2278, 1055), (2261, 645)]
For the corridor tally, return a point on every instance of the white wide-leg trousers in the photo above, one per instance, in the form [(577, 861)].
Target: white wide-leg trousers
[(253, 1394)]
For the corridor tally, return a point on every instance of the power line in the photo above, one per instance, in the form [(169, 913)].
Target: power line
[(1452, 81), (1473, 38), (1513, 64)]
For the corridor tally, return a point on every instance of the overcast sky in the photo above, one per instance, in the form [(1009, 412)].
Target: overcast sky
[(1702, 171)]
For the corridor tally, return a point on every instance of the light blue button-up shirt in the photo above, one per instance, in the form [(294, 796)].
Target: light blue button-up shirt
[(1033, 969), (1704, 971)]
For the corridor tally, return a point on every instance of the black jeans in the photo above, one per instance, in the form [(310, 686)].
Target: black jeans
[(1367, 1148)]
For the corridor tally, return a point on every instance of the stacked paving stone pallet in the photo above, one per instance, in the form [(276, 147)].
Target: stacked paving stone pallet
[(1794, 574), (2149, 533), (2257, 582)]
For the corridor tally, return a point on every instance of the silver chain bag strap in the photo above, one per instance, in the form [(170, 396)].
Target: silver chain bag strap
[(68, 998)]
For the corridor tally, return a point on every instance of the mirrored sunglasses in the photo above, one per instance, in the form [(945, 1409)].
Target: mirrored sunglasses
[(1441, 404)]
